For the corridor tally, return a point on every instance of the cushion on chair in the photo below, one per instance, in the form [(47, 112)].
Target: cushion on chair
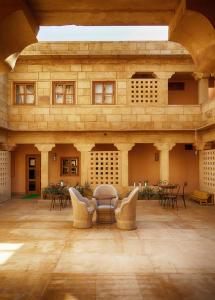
[(200, 195), (105, 197), (105, 207)]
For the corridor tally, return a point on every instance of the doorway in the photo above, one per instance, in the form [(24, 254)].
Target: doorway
[(33, 174)]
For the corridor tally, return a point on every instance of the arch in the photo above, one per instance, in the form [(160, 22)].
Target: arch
[(17, 31), (195, 32), (143, 75)]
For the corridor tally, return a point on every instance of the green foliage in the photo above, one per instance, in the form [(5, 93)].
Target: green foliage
[(147, 193), (55, 189)]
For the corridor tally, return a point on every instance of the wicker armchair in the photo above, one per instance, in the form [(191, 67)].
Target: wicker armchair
[(126, 213), (105, 198), (82, 210)]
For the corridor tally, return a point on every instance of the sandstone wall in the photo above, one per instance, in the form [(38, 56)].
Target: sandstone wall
[(3, 101), (84, 63)]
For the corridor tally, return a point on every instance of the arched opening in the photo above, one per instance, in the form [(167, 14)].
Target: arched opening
[(143, 75), (182, 89)]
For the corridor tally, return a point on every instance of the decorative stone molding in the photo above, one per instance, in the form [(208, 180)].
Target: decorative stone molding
[(7, 147), (104, 167), (84, 147), (44, 147), (143, 91), (202, 145), (207, 170), (164, 146), (124, 147), (163, 75), (199, 75)]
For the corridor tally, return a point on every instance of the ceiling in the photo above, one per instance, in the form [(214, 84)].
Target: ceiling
[(191, 22), (98, 12)]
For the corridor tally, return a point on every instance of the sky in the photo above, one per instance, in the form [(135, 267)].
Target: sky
[(103, 33)]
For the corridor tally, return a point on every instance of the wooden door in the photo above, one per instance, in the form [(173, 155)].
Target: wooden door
[(33, 174)]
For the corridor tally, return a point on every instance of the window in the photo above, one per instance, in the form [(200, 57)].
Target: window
[(69, 166), (64, 92), (24, 93), (103, 92)]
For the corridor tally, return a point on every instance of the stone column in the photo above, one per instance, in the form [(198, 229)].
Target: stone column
[(85, 150), (163, 78), (5, 191), (124, 148), (164, 149), (44, 150), (202, 86)]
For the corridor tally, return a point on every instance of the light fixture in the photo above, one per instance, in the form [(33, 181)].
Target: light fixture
[(54, 156), (156, 156)]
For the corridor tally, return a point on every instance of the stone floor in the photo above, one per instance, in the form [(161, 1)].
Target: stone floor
[(170, 256)]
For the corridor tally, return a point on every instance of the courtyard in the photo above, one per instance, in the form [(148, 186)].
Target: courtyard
[(118, 93), (169, 256)]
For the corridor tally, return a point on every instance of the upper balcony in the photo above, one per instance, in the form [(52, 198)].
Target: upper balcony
[(105, 86)]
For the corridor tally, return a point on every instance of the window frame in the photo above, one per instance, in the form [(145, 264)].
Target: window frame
[(25, 83), (64, 83), (103, 82), (70, 158)]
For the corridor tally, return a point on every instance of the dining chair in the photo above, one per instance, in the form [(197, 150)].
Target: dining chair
[(182, 195), (171, 196)]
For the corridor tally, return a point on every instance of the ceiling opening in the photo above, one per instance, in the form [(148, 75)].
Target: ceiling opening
[(103, 33)]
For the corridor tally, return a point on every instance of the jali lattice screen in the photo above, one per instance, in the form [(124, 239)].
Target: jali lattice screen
[(4, 175), (144, 91), (104, 167), (208, 169)]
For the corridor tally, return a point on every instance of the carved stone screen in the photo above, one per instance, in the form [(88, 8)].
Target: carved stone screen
[(104, 167), (207, 168), (4, 175), (143, 91)]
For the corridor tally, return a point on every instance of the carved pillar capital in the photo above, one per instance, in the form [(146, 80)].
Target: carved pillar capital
[(124, 147), (200, 145), (163, 75), (84, 147), (200, 75), (164, 146), (44, 147)]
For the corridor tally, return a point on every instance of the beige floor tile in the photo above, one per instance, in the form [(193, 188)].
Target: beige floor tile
[(169, 256)]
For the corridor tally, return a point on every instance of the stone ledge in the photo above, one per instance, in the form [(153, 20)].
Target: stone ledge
[(105, 48)]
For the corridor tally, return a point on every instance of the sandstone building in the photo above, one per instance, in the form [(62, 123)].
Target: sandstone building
[(141, 104), (106, 112)]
